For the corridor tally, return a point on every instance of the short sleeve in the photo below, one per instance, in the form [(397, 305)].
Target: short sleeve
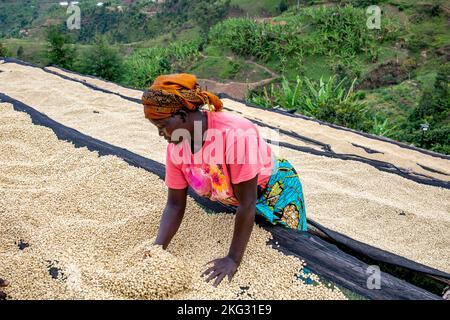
[(174, 177)]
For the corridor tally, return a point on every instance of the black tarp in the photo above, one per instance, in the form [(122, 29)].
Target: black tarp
[(322, 257)]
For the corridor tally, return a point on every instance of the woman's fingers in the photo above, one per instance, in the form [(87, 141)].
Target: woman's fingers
[(212, 261), (213, 275), (208, 271), (4, 283), (219, 279)]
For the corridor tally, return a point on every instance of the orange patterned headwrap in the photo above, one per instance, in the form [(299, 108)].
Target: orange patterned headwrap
[(172, 92)]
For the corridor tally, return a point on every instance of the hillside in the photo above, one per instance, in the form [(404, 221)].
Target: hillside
[(318, 59)]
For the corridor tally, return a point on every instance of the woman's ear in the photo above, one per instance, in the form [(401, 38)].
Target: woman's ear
[(183, 115)]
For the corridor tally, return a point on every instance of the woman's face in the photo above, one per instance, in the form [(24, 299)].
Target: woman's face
[(168, 125)]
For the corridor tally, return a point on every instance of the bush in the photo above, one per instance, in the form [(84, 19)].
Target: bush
[(360, 3), (3, 51), (434, 111), (346, 72), (330, 31), (381, 126), (127, 26), (59, 51), (204, 13), (145, 65), (341, 31), (417, 42), (283, 6), (326, 100), (19, 52), (102, 60)]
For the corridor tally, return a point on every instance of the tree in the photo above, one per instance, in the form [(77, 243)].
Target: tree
[(428, 122), (205, 13), (434, 106), (19, 52), (283, 6), (102, 61), (208, 13), (59, 51), (3, 51)]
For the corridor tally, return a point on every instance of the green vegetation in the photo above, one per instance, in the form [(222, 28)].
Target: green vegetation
[(337, 33), (330, 66), (220, 69), (15, 15), (33, 51), (101, 60), (249, 38), (143, 66), (261, 7), (326, 100), (204, 13), (428, 124), (59, 52), (124, 24), (19, 52), (3, 51)]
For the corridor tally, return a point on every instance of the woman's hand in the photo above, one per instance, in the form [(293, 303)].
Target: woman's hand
[(246, 193), (3, 283), (220, 269)]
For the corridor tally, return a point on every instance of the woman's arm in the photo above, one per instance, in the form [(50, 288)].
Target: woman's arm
[(172, 216), (246, 193)]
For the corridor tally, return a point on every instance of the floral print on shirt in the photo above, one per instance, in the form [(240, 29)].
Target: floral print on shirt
[(211, 181)]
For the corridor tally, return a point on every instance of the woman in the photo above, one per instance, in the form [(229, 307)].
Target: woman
[(222, 157)]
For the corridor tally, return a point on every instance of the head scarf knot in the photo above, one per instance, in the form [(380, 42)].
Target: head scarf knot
[(173, 92)]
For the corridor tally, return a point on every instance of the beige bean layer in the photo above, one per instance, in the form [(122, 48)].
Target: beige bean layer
[(378, 208), (137, 94), (89, 220), (94, 113)]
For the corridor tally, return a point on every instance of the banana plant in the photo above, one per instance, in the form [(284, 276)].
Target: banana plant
[(381, 126)]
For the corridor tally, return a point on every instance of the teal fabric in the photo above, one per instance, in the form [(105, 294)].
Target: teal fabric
[(282, 201)]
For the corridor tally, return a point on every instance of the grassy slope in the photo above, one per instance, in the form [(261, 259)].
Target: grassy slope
[(220, 68), (396, 100)]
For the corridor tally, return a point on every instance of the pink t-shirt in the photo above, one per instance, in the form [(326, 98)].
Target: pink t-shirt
[(233, 152)]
